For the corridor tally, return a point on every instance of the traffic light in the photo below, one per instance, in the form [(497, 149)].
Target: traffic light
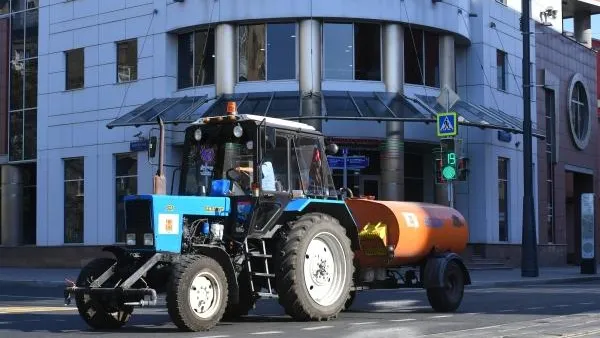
[(449, 169), (439, 165)]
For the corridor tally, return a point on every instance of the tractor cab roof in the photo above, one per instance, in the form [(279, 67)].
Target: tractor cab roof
[(232, 116)]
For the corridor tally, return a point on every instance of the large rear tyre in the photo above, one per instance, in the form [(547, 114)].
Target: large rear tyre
[(314, 270), (449, 297), (99, 311), (197, 293)]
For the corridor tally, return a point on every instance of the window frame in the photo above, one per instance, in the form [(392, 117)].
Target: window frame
[(193, 33), (353, 23), (137, 60), (117, 157), (504, 55), (266, 30), (423, 63), (580, 143), (65, 210), (66, 55), (506, 181), (549, 144)]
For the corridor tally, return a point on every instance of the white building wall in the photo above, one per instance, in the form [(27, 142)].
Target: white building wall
[(73, 123)]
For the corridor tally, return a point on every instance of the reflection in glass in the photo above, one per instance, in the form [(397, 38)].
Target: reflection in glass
[(15, 144), (30, 140), (281, 51), (338, 51), (185, 58), (31, 33), (74, 200), (17, 5), (31, 72), (74, 68), (127, 61), (502, 199), (251, 53), (204, 58), (125, 184), (4, 7), (413, 56), (17, 71), (17, 35), (367, 51)]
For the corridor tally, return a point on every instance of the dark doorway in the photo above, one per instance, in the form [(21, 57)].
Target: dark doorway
[(575, 185)]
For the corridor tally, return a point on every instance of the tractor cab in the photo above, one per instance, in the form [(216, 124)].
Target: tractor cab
[(261, 164)]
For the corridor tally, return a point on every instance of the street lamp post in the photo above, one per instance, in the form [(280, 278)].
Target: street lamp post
[(529, 264)]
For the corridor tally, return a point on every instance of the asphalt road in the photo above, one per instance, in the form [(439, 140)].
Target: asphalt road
[(568, 310)]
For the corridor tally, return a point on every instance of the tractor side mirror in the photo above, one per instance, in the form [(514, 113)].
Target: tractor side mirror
[(332, 149), (152, 147)]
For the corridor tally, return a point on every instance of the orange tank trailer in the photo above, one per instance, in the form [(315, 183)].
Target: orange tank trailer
[(413, 230)]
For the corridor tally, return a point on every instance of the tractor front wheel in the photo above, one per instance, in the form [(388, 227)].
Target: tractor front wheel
[(314, 270), (197, 293), (100, 312)]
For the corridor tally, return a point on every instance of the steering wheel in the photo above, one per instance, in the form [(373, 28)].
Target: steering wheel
[(238, 176)]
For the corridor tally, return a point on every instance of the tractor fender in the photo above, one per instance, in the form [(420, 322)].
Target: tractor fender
[(222, 257), (435, 266), (334, 208)]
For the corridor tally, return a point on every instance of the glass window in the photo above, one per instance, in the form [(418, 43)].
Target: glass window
[(4, 7), (17, 36), (501, 69), (550, 115), (352, 51), (579, 113), (338, 51), (29, 203), (367, 51), (18, 5), (502, 199), (422, 59), (275, 163), (31, 33), (313, 167), (16, 136), (17, 84), (74, 200), (30, 79), (127, 61), (196, 59), (126, 184), (75, 66), (252, 41), (281, 51), (30, 139)]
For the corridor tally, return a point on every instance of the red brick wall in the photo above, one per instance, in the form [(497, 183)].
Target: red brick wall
[(564, 58)]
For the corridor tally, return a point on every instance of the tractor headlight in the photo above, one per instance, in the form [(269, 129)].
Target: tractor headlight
[(198, 134), (148, 239), (238, 131), (130, 239)]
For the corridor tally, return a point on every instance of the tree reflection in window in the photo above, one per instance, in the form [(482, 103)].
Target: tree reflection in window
[(74, 200)]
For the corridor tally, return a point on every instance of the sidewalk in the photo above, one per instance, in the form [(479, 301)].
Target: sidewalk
[(479, 278)]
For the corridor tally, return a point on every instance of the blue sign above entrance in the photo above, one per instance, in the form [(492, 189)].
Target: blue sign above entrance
[(352, 162)]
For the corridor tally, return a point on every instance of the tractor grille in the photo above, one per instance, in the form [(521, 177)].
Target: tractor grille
[(138, 218)]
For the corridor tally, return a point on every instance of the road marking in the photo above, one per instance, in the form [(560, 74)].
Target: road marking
[(586, 303), (535, 308), (508, 310), (561, 305), (266, 332), (221, 336), (402, 320), (441, 316), (29, 309), (318, 328), (582, 334), (363, 323), (471, 313)]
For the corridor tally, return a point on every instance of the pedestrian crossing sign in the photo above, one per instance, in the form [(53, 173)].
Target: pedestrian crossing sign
[(447, 124)]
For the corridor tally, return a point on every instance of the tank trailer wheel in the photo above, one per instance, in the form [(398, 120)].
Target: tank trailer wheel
[(314, 274), (197, 293), (97, 311), (449, 297)]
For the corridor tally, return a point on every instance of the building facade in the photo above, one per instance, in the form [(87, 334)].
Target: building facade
[(102, 61)]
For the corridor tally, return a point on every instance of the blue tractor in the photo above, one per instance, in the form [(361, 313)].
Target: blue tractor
[(257, 216)]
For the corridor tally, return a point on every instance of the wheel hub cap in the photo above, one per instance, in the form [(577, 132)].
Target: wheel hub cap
[(204, 295), (324, 269)]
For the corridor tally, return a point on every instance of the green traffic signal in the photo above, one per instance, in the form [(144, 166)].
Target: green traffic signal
[(449, 173)]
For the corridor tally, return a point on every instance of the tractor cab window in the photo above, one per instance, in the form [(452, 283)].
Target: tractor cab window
[(218, 155), (313, 176), (275, 163)]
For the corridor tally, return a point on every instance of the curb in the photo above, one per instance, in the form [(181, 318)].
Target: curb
[(534, 281)]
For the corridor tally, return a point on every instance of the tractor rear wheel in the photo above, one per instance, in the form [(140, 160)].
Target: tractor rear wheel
[(98, 311), (197, 293), (448, 297), (314, 268)]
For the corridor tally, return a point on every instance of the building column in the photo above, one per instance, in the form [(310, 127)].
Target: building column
[(582, 23), (447, 78), (225, 63), (310, 69), (12, 205), (392, 152)]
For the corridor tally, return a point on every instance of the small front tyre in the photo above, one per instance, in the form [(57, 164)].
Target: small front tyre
[(449, 297), (197, 293)]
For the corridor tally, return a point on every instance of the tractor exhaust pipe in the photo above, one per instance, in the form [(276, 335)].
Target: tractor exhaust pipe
[(160, 182)]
